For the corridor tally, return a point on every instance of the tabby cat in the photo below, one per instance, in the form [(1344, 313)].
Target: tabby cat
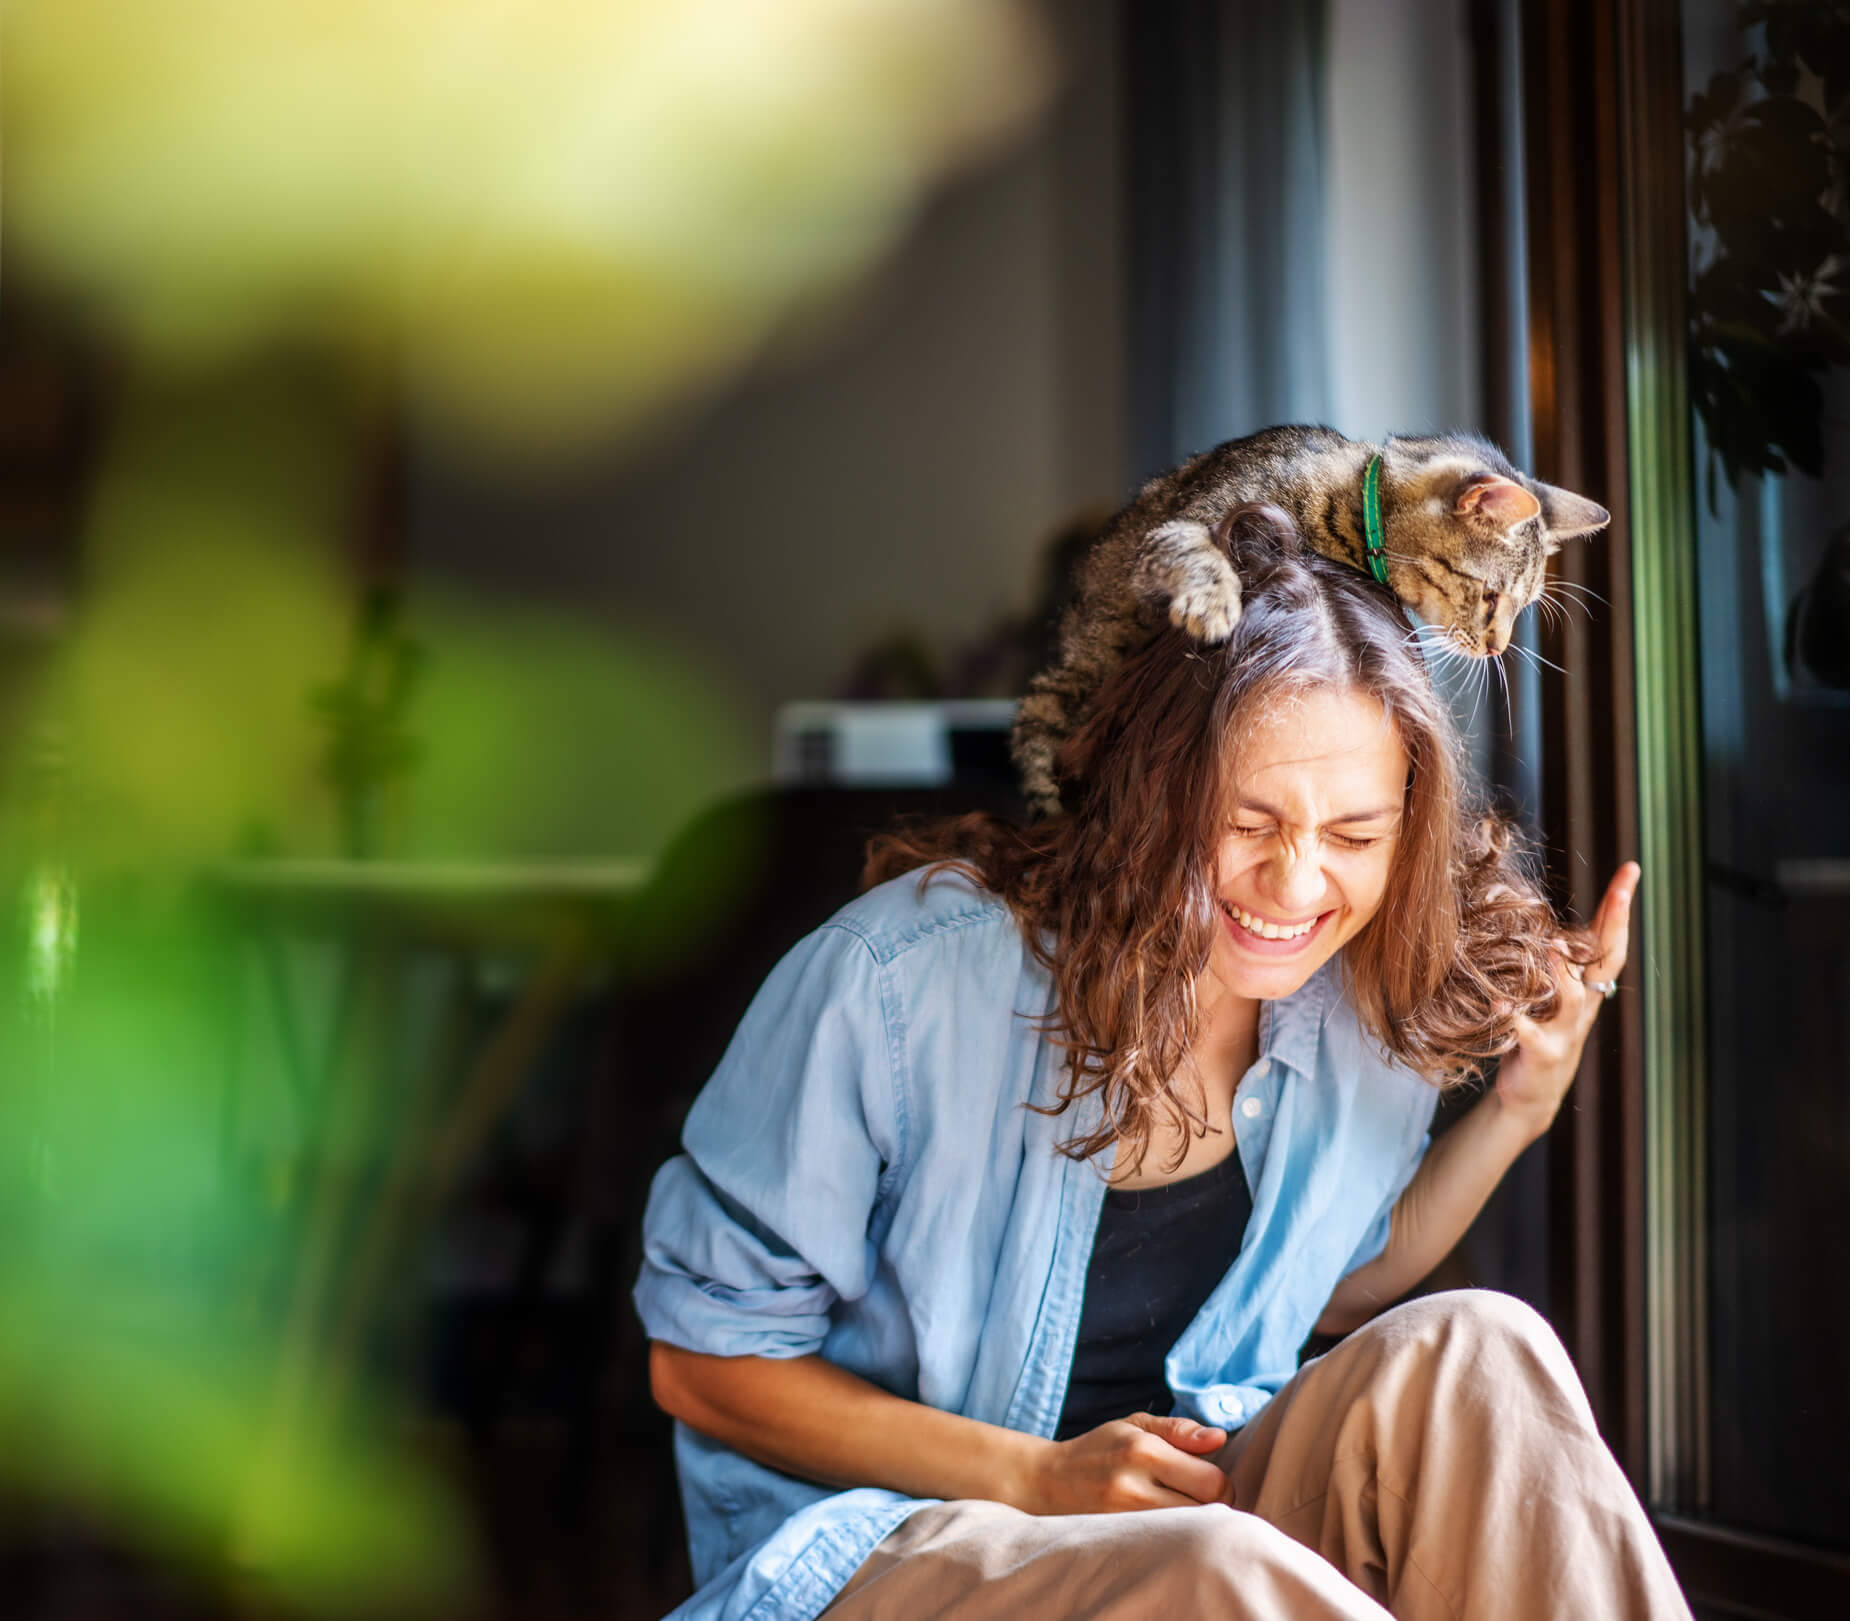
[(1463, 541)]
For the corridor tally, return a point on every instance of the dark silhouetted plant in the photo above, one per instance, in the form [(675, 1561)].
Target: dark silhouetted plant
[(1769, 189)]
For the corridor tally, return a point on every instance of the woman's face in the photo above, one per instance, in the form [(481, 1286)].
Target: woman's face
[(1319, 789)]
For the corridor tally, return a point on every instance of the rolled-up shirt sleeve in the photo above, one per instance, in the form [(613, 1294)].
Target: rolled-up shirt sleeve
[(760, 1226)]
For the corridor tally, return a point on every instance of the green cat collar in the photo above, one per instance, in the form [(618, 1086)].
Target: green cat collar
[(1371, 517)]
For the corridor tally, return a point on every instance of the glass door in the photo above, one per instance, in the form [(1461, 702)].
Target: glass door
[(1767, 156), (1737, 284)]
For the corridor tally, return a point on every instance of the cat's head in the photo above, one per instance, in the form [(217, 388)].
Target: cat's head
[(1468, 537)]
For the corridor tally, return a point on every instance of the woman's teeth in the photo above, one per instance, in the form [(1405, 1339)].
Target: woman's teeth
[(1269, 931)]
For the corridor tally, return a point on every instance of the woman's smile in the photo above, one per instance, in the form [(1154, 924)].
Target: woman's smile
[(1271, 937)]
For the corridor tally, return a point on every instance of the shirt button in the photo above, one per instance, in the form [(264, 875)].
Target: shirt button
[(1262, 1066), (1252, 1108)]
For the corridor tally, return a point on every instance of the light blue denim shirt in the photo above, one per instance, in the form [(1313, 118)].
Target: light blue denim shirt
[(861, 1179)]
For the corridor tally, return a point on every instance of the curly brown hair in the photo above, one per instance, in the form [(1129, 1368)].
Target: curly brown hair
[(1115, 897)]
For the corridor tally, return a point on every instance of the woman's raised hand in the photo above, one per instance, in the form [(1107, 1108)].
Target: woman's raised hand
[(1142, 1461), (1532, 1081)]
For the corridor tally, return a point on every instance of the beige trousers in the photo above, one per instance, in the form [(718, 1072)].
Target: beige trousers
[(1440, 1463)]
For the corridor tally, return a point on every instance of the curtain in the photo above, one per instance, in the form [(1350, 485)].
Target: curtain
[(1226, 260)]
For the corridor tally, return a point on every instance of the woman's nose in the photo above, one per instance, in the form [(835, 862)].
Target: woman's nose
[(1296, 879)]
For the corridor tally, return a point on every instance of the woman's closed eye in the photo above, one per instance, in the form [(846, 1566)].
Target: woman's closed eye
[(1346, 841)]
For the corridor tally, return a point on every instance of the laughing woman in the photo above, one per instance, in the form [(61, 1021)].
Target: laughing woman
[(1027, 1176)]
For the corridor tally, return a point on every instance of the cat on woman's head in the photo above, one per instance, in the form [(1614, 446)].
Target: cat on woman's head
[(1444, 521)]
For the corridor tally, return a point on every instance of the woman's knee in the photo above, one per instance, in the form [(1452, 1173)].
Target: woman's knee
[(1490, 1315), (1502, 1337)]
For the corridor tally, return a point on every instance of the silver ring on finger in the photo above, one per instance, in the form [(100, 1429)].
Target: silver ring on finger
[(1608, 988)]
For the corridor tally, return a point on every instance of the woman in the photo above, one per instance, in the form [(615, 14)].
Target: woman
[(1025, 1180)]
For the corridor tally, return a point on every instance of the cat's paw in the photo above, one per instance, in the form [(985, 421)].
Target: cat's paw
[(1206, 602), (1182, 564)]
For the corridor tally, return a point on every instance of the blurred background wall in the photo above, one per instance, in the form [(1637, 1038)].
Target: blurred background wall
[(1403, 309), (899, 470)]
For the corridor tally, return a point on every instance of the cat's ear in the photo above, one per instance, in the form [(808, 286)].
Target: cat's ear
[(1502, 501), (1569, 516)]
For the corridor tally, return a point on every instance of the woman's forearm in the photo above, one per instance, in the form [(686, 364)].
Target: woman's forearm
[(811, 1418), (1460, 1171)]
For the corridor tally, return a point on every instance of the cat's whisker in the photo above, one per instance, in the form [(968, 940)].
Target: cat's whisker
[(1566, 603), (1530, 653), (1482, 684), (1562, 582), (1477, 679), (1454, 648), (1509, 713), (1567, 580), (1440, 646)]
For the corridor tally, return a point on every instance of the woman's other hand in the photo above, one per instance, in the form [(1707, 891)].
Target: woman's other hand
[(1532, 1080), (1142, 1461)]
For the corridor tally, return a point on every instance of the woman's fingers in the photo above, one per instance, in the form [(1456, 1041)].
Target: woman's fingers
[(1581, 991), (1138, 1462), (1195, 1478), (1180, 1431), (1612, 925), (1172, 1452)]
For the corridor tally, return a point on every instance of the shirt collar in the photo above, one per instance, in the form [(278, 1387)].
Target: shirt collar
[(1290, 1027)]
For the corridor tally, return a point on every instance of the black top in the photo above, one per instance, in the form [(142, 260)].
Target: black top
[(1156, 1258)]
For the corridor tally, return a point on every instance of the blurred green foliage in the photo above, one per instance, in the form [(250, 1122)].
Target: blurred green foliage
[(155, 1364), (543, 225), (145, 1272), (213, 599), (365, 714), (543, 735)]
